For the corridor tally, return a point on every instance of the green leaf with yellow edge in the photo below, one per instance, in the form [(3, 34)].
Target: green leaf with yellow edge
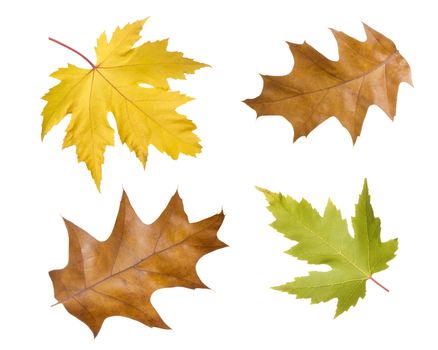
[(144, 115), (325, 240)]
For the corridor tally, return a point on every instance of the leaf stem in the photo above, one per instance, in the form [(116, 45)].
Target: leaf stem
[(75, 51), (372, 279)]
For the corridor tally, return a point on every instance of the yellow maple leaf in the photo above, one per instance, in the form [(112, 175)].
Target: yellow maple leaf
[(144, 115)]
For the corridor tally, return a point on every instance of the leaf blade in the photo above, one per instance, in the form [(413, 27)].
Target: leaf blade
[(366, 73), (144, 116), (119, 275)]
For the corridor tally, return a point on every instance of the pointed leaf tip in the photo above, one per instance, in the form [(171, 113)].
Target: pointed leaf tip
[(269, 196), (263, 190), (365, 189)]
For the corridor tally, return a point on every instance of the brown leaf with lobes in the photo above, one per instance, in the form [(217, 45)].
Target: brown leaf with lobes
[(118, 276), (366, 73)]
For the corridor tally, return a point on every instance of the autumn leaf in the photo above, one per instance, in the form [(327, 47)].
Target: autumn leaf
[(366, 73), (325, 240), (118, 276), (144, 115)]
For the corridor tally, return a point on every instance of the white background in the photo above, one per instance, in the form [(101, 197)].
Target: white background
[(41, 183)]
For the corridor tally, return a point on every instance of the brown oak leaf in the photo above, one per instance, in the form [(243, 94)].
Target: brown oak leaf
[(366, 73), (118, 276)]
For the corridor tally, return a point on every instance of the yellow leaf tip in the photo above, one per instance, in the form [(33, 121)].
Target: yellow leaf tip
[(203, 65), (141, 22), (97, 183), (261, 189), (365, 186), (269, 196)]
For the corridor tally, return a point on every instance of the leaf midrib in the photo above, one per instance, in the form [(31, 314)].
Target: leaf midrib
[(330, 284), (344, 82)]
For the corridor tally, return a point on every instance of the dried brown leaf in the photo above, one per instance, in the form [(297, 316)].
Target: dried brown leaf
[(118, 276), (366, 73)]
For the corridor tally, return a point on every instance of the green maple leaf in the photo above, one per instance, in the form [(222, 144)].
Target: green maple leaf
[(326, 240)]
